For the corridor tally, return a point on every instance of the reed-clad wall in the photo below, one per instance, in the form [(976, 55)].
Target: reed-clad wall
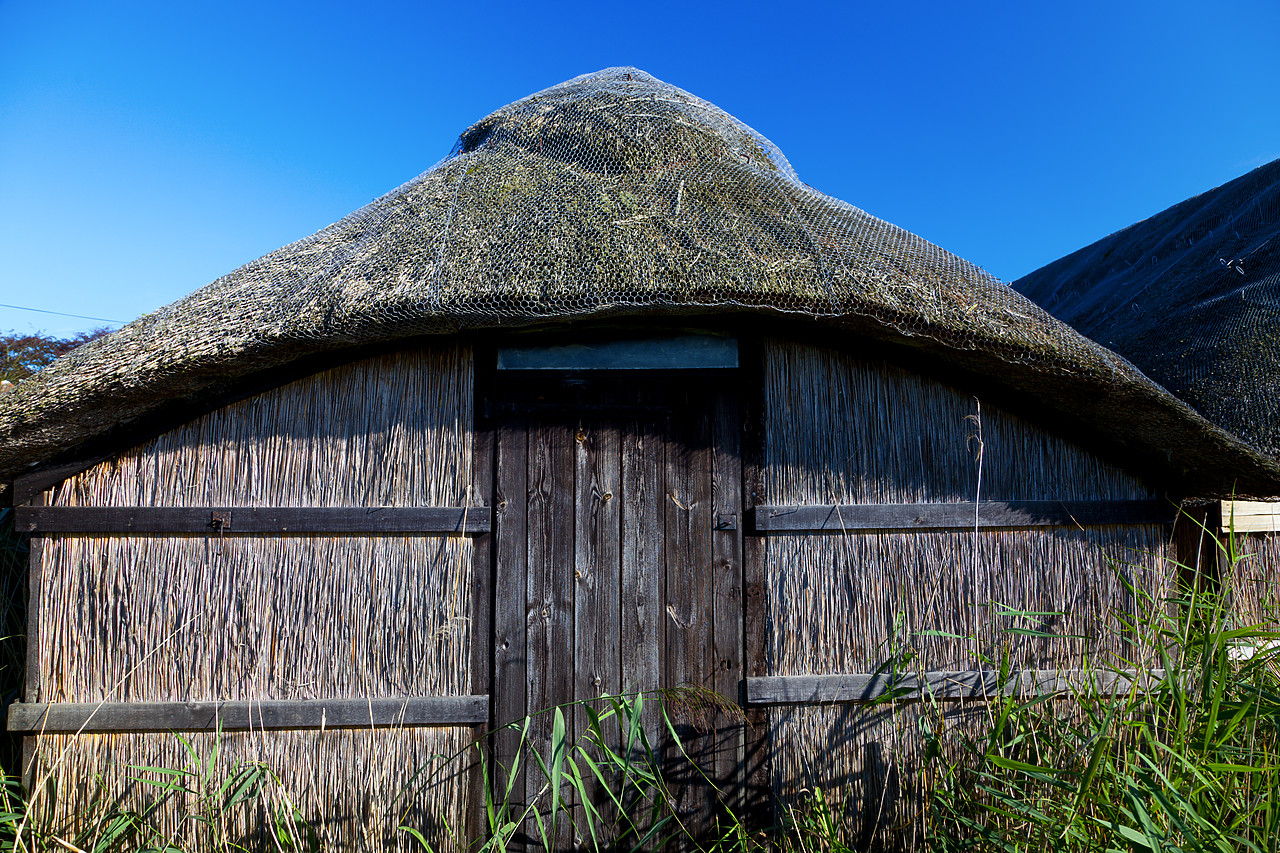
[(839, 429), (131, 619), (1255, 585)]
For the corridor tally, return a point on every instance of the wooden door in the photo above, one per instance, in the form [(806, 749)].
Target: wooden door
[(616, 573)]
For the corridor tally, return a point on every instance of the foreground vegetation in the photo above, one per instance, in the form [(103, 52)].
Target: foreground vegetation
[(1187, 762)]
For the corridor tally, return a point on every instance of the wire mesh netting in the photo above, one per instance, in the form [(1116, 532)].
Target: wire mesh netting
[(611, 194), (1192, 297)]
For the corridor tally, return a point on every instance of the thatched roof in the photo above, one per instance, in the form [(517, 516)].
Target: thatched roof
[(613, 194), (1192, 297)]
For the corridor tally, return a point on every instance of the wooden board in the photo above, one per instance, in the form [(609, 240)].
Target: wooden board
[(233, 521), (481, 627), (510, 603), (1251, 516), (975, 684), (32, 718), (959, 515), (757, 786), (726, 541)]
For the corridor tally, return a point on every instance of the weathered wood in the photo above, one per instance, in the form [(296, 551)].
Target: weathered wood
[(596, 568), (1197, 554), (1251, 516), (233, 521), (550, 620), (510, 628), (27, 486), (959, 515), (32, 718), (973, 684), (480, 634), (726, 543), (643, 620), (689, 648), (757, 800), (32, 693)]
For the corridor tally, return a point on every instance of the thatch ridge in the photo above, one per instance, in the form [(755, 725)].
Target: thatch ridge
[(612, 194)]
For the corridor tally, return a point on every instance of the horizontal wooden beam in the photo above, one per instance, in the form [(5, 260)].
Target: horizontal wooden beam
[(973, 684), (1251, 516), (959, 515), (232, 521), (37, 718)]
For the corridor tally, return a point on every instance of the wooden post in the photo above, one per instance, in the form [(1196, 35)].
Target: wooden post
[(510, 596), (35, 581), (757, 799), (482, 585), (728, 674)]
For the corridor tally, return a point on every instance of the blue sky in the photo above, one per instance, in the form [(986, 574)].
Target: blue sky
[(147, 148)]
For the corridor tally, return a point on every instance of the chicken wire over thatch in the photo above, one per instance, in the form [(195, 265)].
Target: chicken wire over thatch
[(1192, 297), (611, 194)]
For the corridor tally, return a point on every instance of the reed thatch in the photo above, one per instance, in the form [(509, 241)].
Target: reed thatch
[(1255, 583), (612, 194), (941, 600), (354, 788), (1192, 297), (132, 619)]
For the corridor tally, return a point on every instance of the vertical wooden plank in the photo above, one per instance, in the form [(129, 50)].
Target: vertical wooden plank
[(482, 605), (688, 604), (642, 565), (726, 485), (1197, 550), (757, 799), (35, 586), (550, 620), (510, 606), (597, 586)]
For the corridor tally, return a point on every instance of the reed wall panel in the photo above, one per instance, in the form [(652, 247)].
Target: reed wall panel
[(394, 430), (1255, 585), (132, 619), (843, 430), (354, 788), (154, 618)]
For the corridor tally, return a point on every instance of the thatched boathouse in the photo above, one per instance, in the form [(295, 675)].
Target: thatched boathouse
[(606, 401), (1191, 296)]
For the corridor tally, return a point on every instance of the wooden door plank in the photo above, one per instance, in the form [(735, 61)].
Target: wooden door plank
[(727, 673), (550, 620), (643, 620), (597, 589), (689, 609), (510, 612)]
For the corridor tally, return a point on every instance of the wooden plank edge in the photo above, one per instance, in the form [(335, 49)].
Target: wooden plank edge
[(941, 684), (239, 521), (959, 515), (1251, 516), (32, 718)]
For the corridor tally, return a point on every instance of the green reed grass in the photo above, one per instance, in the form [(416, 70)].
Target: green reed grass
[(1188, 760), (1191, 763)]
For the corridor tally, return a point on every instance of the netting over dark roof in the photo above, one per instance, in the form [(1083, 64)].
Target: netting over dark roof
[(1192, 297), (612, 194)]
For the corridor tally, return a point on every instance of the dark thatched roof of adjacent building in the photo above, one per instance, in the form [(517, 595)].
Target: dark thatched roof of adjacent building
[(611, 195), (1192, 297)]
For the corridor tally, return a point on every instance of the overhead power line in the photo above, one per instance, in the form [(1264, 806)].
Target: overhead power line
[(61, 313)]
